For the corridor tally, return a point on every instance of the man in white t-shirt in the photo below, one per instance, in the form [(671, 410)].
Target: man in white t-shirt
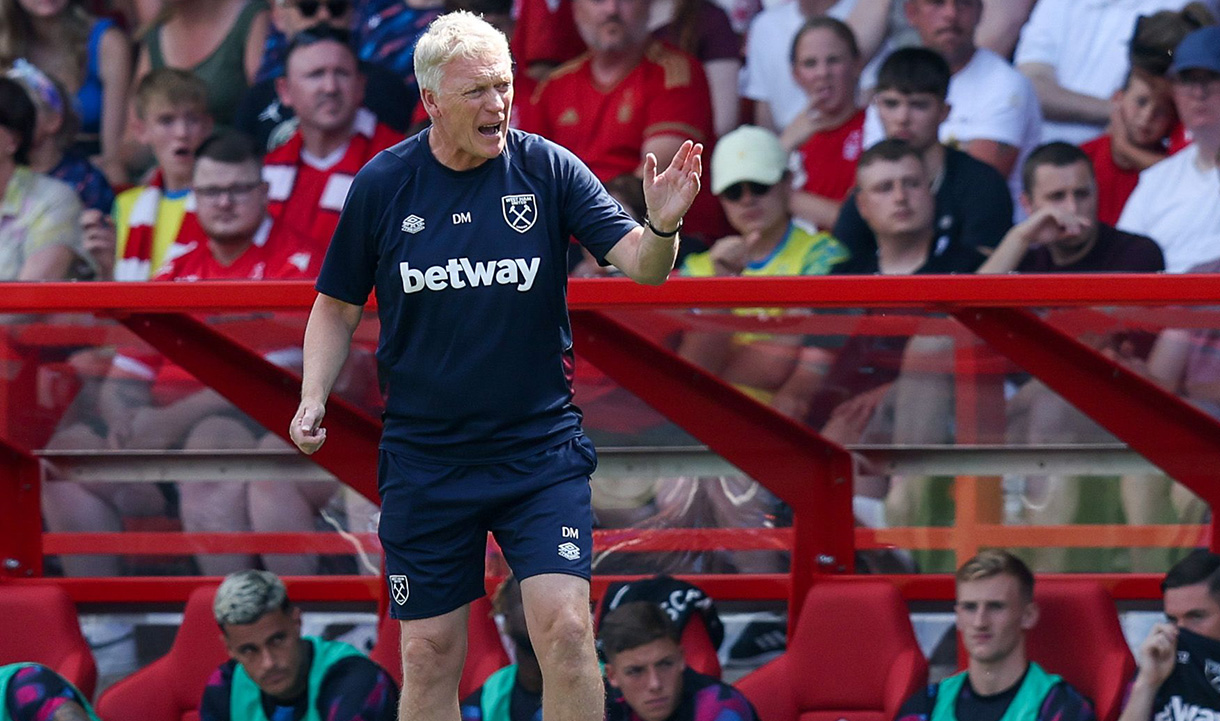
[(1177, 201), (767, 76), (1075, 53), (994, 114)]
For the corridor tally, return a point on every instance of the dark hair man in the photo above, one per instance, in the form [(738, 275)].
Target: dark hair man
[(275, 673), (1177, 661), (647, 674), (973, 204)]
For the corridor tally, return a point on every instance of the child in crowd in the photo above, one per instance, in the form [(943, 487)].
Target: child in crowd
[(1138, 136), (172, 118)]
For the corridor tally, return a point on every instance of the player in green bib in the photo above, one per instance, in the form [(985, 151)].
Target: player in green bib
[(276, 674), (995, 609)]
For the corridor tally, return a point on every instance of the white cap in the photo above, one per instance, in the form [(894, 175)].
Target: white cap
[(749, 153)]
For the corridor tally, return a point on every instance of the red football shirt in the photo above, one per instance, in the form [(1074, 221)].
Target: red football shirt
[(829, 159), (606, 127), (1114, 184), (277, 253)]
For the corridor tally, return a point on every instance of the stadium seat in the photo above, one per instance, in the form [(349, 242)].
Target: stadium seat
[(41, 626), (697, 643), (853, 657), (1098, 661), (485, 653), (169, 689)]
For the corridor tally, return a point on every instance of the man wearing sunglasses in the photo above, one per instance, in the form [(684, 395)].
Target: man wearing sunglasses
[(310, 172), (264, 117)]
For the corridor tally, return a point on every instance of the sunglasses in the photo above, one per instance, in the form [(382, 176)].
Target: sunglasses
[(335, 8), (736, 190)]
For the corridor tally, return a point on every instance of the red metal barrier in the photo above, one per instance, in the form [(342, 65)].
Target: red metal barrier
[(811, 474)]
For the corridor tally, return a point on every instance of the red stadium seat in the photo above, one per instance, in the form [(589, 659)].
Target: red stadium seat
[(169, 689), (697, 643), (853, 657), (41, 626), (484, 652), (1098, 661)]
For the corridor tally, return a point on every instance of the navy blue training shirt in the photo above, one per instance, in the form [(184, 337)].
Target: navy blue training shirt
[(470, 269)]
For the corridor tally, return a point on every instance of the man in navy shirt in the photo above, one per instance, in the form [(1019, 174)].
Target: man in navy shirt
[(462, 231)]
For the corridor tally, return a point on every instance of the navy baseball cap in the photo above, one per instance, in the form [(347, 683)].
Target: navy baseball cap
[(1199, 50)]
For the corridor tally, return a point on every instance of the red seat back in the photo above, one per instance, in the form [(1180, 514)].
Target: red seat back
[(697, 645), (853, 657), (41, 626), (485, 653), (170, 688), (1097, 661)]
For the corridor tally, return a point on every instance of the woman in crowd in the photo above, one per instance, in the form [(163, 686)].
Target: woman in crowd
[(828, 133), (52, 151), (90, 56), (39, 234), (220, 41)]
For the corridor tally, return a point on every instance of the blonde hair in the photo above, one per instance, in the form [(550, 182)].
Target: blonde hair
[(246, 596), (459, 34), (995, 562), (16, 30), (173, 85)]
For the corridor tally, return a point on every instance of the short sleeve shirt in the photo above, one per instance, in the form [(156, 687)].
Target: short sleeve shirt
[(665, 94), (281, 255), (1175, 204), (36, 212), (828, 159), (1114, 252), (1086, 43), (470, 273)]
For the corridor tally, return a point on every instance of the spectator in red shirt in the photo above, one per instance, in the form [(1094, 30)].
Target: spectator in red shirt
[(235, 238), (629, 96), (1140, 122), (309, 174), (829, 133)]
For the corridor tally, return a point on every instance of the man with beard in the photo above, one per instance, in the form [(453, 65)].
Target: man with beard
[(310, 173)]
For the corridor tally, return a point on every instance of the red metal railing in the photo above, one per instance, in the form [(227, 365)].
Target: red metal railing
[(810, 473)]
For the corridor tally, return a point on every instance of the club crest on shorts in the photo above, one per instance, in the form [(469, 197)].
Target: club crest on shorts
[(520, 211), (569, 551), (399, 590)]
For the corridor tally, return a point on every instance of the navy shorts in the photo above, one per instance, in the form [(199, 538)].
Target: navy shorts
[(435, 519)]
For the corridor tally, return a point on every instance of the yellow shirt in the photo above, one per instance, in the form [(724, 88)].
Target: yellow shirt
[(170, 212)]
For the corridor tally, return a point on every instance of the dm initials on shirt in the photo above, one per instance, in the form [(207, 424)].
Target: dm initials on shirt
[(461, 273)]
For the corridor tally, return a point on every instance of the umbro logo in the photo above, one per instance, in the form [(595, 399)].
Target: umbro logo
[(569, 551), (412, 224)]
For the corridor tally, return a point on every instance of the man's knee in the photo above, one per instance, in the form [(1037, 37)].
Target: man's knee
[(434, 649)]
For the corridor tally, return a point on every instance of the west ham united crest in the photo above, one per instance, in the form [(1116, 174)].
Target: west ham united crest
[(399, 590), (520, 211)]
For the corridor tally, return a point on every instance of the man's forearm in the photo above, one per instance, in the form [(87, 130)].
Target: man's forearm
[(1139, 703), (328, 338)]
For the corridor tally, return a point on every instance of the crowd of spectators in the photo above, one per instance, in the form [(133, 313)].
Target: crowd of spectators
[(214, 139)]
